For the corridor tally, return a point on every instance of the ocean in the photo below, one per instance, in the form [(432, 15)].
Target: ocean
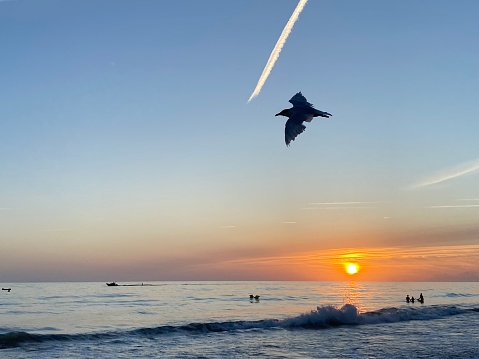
[(219, 320)]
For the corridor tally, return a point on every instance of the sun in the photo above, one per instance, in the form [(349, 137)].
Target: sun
[(351, 268)]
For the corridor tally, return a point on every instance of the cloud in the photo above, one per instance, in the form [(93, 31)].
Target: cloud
[(59, 230), (469, 200), (340, 205), (455, 206), (447, 174), (277, 48), (337, 203)]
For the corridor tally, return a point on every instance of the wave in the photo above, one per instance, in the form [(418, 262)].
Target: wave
[(321, 318), (460, 295)]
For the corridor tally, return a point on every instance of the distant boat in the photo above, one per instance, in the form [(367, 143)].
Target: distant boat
[(112, 284)]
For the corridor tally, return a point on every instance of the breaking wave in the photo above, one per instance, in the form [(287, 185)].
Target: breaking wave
[(321, 318)]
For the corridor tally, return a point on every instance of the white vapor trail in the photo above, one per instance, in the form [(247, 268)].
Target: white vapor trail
[(450, 173), (277, 48)]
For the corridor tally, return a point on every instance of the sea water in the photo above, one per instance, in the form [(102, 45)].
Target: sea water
[(219, 320)]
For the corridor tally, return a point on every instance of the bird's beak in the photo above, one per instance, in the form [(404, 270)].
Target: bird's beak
[(277, 114)]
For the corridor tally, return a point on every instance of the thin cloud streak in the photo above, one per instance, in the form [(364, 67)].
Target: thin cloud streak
[(277, 48), (318, 208), (449, 174), (455, 206), (338, 203)]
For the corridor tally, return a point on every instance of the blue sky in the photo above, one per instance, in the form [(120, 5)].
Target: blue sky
[(129, 151)]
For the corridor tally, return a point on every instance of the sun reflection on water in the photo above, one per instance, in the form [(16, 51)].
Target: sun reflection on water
[(352, 293)]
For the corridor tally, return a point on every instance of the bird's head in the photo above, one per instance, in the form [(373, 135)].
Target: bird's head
[(285, 113)]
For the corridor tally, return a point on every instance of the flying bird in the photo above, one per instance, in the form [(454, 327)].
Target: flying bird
[(301, 111)]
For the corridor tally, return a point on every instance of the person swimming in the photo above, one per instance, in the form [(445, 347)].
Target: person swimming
[(408, 299), (420, 299)]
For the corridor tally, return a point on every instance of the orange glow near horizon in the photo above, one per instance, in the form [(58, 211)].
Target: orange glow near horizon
[(362, 264), (407, 263)]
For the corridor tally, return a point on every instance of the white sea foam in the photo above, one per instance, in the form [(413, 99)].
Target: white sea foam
[(349, 315)]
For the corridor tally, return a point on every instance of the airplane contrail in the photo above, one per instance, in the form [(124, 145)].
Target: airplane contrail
[(450, 173), (277, 48)]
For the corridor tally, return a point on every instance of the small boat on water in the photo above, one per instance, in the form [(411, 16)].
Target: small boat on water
[(112, 284)]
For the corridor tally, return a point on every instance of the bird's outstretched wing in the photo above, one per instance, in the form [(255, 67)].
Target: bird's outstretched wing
[(300, 101), (292, 129)]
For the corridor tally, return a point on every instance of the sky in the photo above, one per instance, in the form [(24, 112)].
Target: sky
[(129, 150)]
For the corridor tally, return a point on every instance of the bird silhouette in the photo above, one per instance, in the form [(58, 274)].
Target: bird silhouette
[(302, 111)]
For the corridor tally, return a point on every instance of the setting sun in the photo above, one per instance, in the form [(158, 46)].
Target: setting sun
[(351, 268)]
